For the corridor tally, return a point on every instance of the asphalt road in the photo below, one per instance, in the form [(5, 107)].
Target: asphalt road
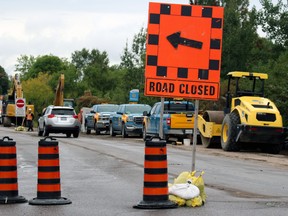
[(104, 176)]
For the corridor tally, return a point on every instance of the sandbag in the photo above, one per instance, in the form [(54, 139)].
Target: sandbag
[(197, 201), (199, 182), (179, 201), (181, 185), (185, 191)]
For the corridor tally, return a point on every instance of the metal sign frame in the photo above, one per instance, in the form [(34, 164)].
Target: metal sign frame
[(183, 55)]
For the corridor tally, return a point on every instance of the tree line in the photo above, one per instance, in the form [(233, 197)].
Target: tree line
[(253, 40)]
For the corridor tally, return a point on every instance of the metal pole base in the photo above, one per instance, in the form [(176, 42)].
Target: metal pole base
[(59, 201), (155, 205), (11, 200)]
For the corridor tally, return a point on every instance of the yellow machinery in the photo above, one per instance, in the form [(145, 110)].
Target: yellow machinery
[(59, 95), (249, 119), (8, 106)]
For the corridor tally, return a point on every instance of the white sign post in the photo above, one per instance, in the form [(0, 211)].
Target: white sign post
[(20, 107)]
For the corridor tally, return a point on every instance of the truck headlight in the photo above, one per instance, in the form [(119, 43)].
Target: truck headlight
[(130, 118)]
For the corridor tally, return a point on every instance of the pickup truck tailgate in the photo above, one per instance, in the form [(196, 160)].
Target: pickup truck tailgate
[(182, 121)]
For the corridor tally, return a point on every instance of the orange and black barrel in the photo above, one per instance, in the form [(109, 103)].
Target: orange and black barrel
[(155, 190), (49, 185), (8, 173)]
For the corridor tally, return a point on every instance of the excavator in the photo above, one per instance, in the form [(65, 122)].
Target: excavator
[(59, 95), (9, 107)]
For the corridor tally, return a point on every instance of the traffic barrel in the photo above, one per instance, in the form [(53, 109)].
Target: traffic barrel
[(8, 173), (155, 190), (49, 186)]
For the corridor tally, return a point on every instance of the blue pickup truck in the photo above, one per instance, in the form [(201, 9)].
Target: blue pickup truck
[(128, 119), (178, 120)]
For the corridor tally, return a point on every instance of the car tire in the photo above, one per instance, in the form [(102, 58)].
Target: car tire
[(112, 133), (40, 133), (68, 135), (144, 133), (96, 130), (6, 122), (123, 131), (45, 132), (229, 132), (76, 134), (88, 131)]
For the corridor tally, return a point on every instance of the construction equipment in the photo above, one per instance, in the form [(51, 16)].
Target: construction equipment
[(249, 119), (9, 108), (59, 95)]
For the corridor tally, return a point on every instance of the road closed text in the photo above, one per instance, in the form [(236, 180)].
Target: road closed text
[(193, 90)]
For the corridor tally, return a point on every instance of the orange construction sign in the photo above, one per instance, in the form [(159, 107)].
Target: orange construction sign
[(183, 55)]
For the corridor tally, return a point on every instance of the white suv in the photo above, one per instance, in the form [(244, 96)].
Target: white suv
[(59, 119)]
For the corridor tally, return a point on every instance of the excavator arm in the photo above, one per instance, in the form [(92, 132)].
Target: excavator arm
[(16, 89), (59, 95)]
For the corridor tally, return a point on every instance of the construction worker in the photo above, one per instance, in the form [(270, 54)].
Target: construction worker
[(29, 119)]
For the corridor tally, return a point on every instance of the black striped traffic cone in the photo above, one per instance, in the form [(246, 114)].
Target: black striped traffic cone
[(155, 191), (8, 173), (48, 187)]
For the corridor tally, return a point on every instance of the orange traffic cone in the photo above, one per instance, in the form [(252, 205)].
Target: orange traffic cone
[(8, 173), (48, 187), (155, 191)]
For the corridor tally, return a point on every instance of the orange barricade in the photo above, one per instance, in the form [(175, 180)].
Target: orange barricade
[(8, 173), (155, 191), (48, 187)]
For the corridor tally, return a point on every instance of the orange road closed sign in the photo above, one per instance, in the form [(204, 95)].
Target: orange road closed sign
[(188, 89), (183, 55)]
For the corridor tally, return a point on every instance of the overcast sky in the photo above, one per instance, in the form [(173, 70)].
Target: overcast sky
[(60, 27)]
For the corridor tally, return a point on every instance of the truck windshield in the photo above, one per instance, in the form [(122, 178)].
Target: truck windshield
[(107, 108), (178, 107), (137, 109)]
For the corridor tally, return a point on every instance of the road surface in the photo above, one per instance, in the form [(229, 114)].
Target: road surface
[(103, 175)]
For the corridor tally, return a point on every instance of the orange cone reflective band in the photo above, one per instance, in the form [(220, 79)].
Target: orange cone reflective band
[(48, 187), (8, 173), (155, 191)]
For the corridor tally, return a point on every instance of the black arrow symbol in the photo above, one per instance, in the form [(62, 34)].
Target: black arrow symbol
[(175, 40)]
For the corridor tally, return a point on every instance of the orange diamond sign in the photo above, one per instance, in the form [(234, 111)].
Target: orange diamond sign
[(183, 56)]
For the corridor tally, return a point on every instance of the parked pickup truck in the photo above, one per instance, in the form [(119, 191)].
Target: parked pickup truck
[(101, 116), (128, 119), (178, 120)]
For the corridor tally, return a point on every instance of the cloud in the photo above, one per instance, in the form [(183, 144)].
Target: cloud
[(63, 32), (33, 27)]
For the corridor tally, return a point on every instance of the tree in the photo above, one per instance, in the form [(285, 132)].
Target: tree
[(4, 81), (24, 64), (30, 67), (133, 66), (117, 94), (93, 67), (239, 36), (38, 92), (274, 21), (46, 64), (205, 2), (72, 87)]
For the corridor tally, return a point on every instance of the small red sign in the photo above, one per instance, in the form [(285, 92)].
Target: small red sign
[(20, 103)]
